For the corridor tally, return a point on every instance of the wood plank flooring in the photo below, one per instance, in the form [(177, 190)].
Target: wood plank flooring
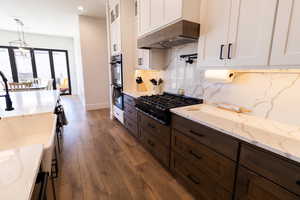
[(101, 160)]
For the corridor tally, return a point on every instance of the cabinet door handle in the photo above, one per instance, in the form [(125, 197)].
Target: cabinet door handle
[(195, 133), (229, 51), (193, 179), (140, 61), (195, 155), (298, 182), (221, 52), (151, 143), (151, 126)]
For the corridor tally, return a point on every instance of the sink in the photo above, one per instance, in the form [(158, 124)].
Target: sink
[(28, 130)]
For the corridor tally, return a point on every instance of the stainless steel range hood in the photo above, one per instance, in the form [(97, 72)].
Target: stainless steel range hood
[(182, 32)]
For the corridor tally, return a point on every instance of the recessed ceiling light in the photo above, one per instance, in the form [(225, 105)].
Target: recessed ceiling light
[(80, 8)]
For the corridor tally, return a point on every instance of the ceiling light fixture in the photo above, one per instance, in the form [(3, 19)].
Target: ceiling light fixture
[(80, 8), (20, 42)]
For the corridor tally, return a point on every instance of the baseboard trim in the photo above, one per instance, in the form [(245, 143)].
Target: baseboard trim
[(96, 106)]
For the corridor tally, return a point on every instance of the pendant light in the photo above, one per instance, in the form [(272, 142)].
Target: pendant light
[(20, 42)]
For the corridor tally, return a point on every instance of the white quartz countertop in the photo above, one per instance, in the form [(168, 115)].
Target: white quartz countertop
[(30, 103), (277, 137), (18, 171), (136, 94)]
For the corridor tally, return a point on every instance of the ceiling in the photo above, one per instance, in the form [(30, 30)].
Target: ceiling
[(52, 17)]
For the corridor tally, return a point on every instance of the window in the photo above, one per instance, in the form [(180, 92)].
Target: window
[(49, 66), (60, 63), (43, 67), (5, 66), (24, 64)]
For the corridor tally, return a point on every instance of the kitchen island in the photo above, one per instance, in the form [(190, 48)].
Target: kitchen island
[(27, 136), (30, 103), (18, 171)]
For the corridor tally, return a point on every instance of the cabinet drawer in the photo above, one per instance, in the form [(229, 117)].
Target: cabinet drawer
[(197, 181), (130, 112), (220, 142), (129, 100), (132, 126), (158, 130), (156, 148), (253, 186), (220, 168), (272, 167)]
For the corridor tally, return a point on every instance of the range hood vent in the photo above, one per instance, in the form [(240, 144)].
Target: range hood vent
[(180, 33)]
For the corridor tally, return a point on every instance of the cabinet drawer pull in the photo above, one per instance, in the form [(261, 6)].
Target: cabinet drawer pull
[(195, 133), (151, 143), (193, 179), (229, 51), (151, 126), (221, 52), (195, 155)]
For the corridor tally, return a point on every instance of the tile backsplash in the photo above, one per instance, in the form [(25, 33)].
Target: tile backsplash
[(274, 96)]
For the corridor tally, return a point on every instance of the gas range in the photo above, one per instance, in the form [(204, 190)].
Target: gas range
[(158, 106)]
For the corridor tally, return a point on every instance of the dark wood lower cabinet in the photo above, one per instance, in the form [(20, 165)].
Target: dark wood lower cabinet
[(132, 126), (161, 152), (251, 186), (212, 165), (215, 165), (197, 181)]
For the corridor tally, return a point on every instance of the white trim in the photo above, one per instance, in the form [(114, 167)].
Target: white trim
[(96, 106)]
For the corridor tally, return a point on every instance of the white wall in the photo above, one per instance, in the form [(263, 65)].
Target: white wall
[(93, 42), (50, 42)]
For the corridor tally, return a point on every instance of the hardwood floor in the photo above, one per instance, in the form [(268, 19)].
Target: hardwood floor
[(101, 160)]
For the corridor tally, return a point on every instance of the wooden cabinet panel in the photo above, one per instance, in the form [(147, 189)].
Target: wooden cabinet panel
[(218, 167), (131, 125), (286, 41), (160, 131), (129, 100), (155, 147), (272, 167), (130, 112), (251, 186), (220, 142), (251, 30), (197, 181), (214, 20)]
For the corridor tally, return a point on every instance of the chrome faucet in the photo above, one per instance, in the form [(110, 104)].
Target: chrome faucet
[(8, 101)]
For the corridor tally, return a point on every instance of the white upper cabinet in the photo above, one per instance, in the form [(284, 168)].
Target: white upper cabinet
[(236, 33), (115, 28), (214, 20), (250, 35), (155, 14), (286, 42), (173, 10), (143, 16)]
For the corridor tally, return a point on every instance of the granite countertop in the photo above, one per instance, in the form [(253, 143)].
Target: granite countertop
[(276, 137), (30, 103), (18, 171), (136, 94)]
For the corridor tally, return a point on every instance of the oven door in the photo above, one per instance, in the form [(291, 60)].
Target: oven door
[(116, 71), (117, 97)]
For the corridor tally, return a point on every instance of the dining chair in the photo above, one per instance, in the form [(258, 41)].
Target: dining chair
[(49, 85), (20, 86)]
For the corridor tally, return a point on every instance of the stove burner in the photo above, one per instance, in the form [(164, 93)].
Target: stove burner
[(158, 106)]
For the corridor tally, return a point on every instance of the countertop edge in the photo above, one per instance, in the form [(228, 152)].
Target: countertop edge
[(237, 136)]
